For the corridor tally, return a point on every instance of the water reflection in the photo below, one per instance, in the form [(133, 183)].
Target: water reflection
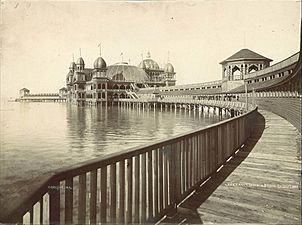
[(40, 137), (101, 130)]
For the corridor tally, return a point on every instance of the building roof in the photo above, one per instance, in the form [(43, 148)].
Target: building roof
[(80, 61), (169, 68), (24, 89), (245, 54), (123, 71), (99, 63), (149, 64), (72, 65)]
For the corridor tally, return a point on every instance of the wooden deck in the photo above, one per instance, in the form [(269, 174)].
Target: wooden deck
[(260, 184)]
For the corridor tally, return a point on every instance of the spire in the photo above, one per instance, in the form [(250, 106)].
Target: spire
[(72, 57), (168, 56), (142, 56), (148, 55), (80, 52), (244, 44), (100, 48)]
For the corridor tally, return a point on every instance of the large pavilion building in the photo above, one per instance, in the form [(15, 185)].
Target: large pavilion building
[(102, 83)]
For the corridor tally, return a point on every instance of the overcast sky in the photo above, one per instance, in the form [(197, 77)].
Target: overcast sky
[(39, 38)]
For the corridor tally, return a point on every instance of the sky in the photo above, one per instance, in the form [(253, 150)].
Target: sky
[(38, 38)]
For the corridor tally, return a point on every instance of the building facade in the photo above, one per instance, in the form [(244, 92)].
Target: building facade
[(102, 84)]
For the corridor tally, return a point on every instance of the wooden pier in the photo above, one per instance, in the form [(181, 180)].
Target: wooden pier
[(259, 184)]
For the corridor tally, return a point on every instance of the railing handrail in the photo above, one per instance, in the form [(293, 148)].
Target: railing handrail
[(87, 166), (217, 103)]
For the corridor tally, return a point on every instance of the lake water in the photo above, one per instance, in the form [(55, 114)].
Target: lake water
[(40, 137)]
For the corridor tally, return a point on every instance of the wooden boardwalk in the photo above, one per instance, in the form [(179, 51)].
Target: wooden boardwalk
[(260, 184)]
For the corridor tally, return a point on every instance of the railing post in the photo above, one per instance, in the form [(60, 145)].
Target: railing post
[(246, 97), (121, 217), (93, 196), (54, 204), (68, 201), (103, 180), (150, 186), (82, 199), (144, 188), (113, 193)]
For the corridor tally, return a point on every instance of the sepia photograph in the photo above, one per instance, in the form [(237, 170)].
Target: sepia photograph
[(150, 112)]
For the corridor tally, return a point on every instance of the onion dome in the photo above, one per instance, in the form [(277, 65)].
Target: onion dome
[(72, 66), (99, 63), (126, 72), (149, 64), (80, 61), (169, 68)]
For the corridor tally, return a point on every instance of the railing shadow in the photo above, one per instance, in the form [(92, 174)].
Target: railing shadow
[(187, 211)]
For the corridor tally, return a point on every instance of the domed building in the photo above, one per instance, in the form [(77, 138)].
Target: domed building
[(125, 72), (158, 76), (104, 84)]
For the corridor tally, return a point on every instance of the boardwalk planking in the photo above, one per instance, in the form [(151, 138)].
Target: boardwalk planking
[(263, 188)]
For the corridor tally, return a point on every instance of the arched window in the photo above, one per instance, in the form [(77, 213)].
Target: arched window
[(103, 86), (252, 69), (122, 86), (236, 73), (115, 86)]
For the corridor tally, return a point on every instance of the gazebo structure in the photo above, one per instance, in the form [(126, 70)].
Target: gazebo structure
[(240, 64)]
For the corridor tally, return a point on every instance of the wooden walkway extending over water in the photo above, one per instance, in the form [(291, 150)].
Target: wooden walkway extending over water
[(260, 184)]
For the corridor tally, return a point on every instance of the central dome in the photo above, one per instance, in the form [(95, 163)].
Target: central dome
[(123, 71), (99, 63), (149, 64)]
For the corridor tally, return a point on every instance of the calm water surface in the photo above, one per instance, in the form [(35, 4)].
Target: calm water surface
[(40, 137)]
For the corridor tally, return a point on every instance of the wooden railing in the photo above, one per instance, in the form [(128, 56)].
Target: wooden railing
[(137, 185), (213, 103)]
